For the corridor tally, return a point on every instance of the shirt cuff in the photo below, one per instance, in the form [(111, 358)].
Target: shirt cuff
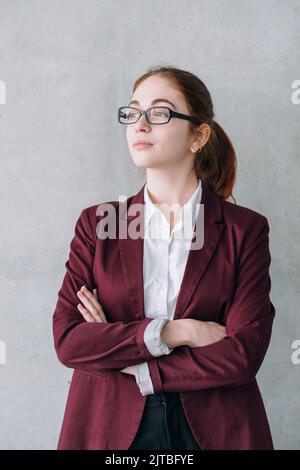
[(153, 340), (143, 379)]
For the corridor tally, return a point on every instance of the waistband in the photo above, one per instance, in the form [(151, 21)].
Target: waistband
[(163, 396)]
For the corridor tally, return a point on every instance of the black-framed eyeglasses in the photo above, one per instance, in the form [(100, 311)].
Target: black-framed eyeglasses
[(154, 115)]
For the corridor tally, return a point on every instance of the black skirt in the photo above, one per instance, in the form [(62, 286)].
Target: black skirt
[(164, 425)]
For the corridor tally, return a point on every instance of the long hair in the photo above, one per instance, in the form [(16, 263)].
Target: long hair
[(215, 163)]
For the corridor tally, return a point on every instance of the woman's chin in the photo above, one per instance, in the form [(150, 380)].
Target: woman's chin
[(146, 163)]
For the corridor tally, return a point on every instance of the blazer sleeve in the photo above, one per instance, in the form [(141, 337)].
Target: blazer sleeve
[(235, 359), (89, 345)]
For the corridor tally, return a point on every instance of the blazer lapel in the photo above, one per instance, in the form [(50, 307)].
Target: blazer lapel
[(131, 250), (198, 259)]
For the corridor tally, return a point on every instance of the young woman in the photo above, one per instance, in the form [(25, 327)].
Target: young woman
[(167, 327)]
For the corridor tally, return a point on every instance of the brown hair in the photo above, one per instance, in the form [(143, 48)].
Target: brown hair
[(215, 163)]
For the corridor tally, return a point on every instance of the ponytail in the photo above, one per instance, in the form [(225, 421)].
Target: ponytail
[(216, 163)]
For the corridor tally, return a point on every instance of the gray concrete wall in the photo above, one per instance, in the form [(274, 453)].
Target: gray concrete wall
[(65, 67)]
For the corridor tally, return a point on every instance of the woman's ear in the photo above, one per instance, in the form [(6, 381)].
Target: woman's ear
[(204, 132)]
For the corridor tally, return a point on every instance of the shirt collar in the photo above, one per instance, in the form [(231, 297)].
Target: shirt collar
[(191, 205)]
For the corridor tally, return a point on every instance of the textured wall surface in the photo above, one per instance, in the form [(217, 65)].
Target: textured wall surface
[(65, 67)]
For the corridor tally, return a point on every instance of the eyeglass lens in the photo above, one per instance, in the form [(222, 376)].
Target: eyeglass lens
[(156, 115)]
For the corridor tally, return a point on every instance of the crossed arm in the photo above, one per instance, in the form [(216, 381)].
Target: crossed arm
[(161, 339), (174, 333), (232, 360)]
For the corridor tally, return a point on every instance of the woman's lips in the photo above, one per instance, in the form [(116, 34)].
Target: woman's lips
[(140, 146)]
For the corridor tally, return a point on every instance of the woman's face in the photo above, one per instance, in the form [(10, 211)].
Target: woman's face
[(171, 142)]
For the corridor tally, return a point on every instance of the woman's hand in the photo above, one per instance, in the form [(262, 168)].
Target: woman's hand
[(92, 312), (203, 333)]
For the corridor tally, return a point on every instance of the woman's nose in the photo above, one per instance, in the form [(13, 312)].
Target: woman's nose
[(142, 122)]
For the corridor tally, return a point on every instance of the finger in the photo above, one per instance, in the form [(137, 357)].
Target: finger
[(101, 313), (98, 311), (90, 303), (86, 315)]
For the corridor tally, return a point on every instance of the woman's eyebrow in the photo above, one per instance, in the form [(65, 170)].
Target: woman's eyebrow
[(157, 100)]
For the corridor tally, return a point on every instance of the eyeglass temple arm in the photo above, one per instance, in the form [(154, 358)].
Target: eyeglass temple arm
[(182, 116)]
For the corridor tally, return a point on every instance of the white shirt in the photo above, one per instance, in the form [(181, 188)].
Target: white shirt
[(164, 263)]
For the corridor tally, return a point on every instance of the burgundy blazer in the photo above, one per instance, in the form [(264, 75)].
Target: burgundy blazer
[(226, 281)]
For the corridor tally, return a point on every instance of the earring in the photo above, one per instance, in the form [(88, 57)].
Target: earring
[(193, 150)]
